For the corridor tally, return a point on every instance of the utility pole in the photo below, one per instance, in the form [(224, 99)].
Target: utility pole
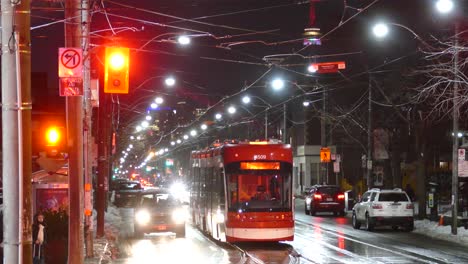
[(74, 105), (16, 128), (103, 161), (266, 123), (455, 116), (88, 158), (285, 119), (369, 136), (323, 135)]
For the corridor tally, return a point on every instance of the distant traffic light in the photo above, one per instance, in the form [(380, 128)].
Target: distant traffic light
[(52, 136), (116, 70), (54, 141)]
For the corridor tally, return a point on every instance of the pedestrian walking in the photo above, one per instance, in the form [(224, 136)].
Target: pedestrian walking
[(39, 239)]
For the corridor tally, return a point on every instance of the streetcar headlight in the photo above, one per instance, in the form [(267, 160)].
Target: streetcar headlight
[(219, 217), (179, 216), (143, 217)]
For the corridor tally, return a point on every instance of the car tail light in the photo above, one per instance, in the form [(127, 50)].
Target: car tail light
[(377, 206), (409, 206), (340, 196), (318, 196)]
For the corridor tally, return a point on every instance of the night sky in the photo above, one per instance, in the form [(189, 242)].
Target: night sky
[(229, 51)]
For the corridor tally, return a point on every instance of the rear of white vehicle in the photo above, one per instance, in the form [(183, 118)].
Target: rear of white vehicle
[(392, 208)]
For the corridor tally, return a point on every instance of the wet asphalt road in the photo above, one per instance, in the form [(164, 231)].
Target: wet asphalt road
[(320, 239)]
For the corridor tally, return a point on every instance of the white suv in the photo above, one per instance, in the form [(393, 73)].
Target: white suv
[(384, 207)]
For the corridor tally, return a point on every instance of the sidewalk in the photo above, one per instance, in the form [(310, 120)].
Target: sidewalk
[(105, 248)]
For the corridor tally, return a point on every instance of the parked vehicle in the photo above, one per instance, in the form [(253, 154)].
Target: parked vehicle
[(127, 193), (159, 211), (384, 207), (325, 198)]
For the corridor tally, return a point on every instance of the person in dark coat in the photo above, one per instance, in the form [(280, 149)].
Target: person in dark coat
[(39, 239)]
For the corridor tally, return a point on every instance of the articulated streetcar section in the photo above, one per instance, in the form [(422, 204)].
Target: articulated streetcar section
[(243, 192)]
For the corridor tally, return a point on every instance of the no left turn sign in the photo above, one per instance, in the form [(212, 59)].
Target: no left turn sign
[(70, 62)]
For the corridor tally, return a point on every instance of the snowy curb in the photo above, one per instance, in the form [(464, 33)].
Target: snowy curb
[(432, 229)]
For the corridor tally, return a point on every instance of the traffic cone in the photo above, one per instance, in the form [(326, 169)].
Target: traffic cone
[(441, 220)]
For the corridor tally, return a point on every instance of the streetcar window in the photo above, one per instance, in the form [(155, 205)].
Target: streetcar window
[(259, 190)]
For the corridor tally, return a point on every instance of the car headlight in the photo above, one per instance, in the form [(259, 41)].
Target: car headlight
[(143, 217), (308, 200), (179, 216)]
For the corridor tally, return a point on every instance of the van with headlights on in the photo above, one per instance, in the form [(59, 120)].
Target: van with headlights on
[(159, 211)]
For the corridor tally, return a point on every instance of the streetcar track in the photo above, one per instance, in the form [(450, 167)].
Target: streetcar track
[(342, 251), (398, 251)]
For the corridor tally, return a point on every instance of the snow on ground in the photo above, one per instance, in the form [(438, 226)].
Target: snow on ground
[(106, 248), (432, 229)]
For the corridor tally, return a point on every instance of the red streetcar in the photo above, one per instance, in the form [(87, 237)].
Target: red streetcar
[(243, 192)]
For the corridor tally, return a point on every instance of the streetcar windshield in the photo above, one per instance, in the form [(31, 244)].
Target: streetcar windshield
[(264, 186)]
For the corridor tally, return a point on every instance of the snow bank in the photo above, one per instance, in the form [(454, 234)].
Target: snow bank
[(432, 229)]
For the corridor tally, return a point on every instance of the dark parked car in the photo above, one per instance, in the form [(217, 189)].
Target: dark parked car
[(159, 211), (325, 198), (127, 193)]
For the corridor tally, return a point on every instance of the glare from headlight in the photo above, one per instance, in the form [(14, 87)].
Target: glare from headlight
[(219, 217), (143, 217), (179, 216), (308, 200)]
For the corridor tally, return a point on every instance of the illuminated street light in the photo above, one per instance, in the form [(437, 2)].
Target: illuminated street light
[(380, 30), (139, 137), (306, 103), (444, 6), (123, 152), (193, 133), (148, 117), (139, 128), (183, 40), (277, 84), (218, 116), (170, 81), (246, 99), (185, 137), (144, 124), (179, 141), (159, 100), (122, 160), (172, 143), (232, 110), (204, 127), (128, 149), (132, 137), (154, 106), (130, 146)]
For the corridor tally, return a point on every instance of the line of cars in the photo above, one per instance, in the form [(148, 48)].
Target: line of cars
[(155, 209), (392, 207)]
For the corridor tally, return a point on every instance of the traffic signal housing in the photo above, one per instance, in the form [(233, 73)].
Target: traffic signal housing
[(116, 70), (54, 141)]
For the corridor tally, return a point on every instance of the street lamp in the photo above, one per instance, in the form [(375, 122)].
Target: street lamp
[(139, 128), (144, 124), (380, 30), (204, 127), (277, 84), (159, 100), (148, 117), (306, 103), (231, 110), (170, 81), (218, 116), (444, 6), (183, 40), (193, 133), (246, 99), (154, 106)]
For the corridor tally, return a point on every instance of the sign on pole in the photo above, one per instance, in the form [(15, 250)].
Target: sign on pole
[(325, 155), (70, 62), (71, 86), (336, 167)]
